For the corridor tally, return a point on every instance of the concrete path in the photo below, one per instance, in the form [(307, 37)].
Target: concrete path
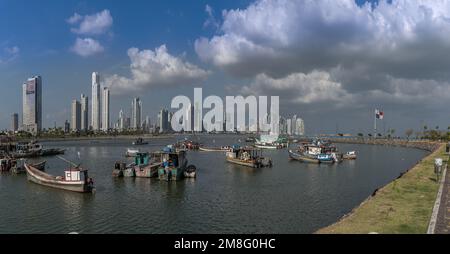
[(443, 216)]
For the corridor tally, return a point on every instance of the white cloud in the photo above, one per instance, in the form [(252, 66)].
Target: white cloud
[(98, 23), (211, 20), (155, 68), (298, 88), (87, 47), (279, 37), (74, 19)]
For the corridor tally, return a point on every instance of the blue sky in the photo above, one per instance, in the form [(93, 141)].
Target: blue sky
[(244, 50)]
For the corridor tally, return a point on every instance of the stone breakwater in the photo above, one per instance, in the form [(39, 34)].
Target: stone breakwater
[(430, 146)]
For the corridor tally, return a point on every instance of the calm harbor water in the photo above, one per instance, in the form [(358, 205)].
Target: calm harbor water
[(291, 197)]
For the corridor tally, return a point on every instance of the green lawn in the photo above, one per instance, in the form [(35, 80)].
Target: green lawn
[(403, 206)]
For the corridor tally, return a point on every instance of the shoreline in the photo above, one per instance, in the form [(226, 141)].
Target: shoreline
[(404, 205)]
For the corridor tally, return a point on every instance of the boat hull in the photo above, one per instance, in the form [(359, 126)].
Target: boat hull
[(242, 162), (146, 171), (302, 158), (41, 178)]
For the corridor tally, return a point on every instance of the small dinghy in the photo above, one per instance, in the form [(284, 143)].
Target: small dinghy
[(190, 172)]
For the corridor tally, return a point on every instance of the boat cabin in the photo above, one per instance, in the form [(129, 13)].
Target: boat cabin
[(243, 153), (174, 158), (75, 174), (141, 159)]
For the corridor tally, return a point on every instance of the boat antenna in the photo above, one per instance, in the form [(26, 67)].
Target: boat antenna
[(66, 160)]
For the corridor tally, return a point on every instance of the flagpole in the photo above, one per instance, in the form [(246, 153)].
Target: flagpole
[(375, 124)]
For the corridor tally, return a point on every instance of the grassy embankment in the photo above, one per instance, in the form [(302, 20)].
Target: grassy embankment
[(403, 206)]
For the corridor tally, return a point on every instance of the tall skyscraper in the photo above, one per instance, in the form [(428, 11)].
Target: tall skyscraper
[(105, 109), (163, 120), (96, 120), (300, 127), (76, 116), (84, 112), (136, 107), (32, 105), (14, 122), (121, 120)]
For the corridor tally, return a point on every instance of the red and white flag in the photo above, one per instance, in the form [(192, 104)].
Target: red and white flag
[(379, 114)]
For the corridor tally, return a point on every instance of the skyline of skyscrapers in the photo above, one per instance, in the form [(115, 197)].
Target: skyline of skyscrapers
[(163, 120), (96, 120), (32, 105)]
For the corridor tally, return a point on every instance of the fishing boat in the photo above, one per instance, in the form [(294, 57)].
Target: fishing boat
[(132, 152), (303, 157), (119, 167), (350, 155), (75, 179), (51, 151), (18, 166), (247, 156), (146, 166), (139, 141), (5, 164), (268, 146), (214, 149), (174, 164), (325, 158)]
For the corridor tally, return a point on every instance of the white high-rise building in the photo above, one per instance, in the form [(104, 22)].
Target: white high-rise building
[(32, 105), (84, 112), (300, 127), (76, 116), (96, 120), (105, 109), (136, 107), (122, 120)]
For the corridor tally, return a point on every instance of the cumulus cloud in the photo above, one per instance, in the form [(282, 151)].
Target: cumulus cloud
[(87, 47), (95, 24), (279, 37), (314, 87), (157, 67)]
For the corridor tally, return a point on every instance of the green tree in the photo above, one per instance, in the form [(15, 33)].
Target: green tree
[(409, 132)]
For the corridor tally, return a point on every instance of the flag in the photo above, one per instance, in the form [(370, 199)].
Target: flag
[(379, 114)]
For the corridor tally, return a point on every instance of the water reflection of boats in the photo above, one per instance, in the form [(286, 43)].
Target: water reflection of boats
[(75, 179), (247, 156)]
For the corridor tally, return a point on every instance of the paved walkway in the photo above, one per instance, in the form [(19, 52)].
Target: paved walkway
[(443, 217)]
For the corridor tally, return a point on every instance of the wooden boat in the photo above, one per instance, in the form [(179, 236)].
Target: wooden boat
[(302, 157), (52, 151), (325, 158), (75, 179), (174, 164), (214, 149), (350, 155), (267, 146), (139, 142), (248, 157), (145, 166), (5, 164), (119, 167)]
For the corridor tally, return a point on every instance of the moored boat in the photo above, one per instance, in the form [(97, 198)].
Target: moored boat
[(19, 166), (75, 179), (247, 156), (303, 157), (132, 152), (174, 164), (140, 141), (350, 155), (145, 166), (190, 172), (214, 149)]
